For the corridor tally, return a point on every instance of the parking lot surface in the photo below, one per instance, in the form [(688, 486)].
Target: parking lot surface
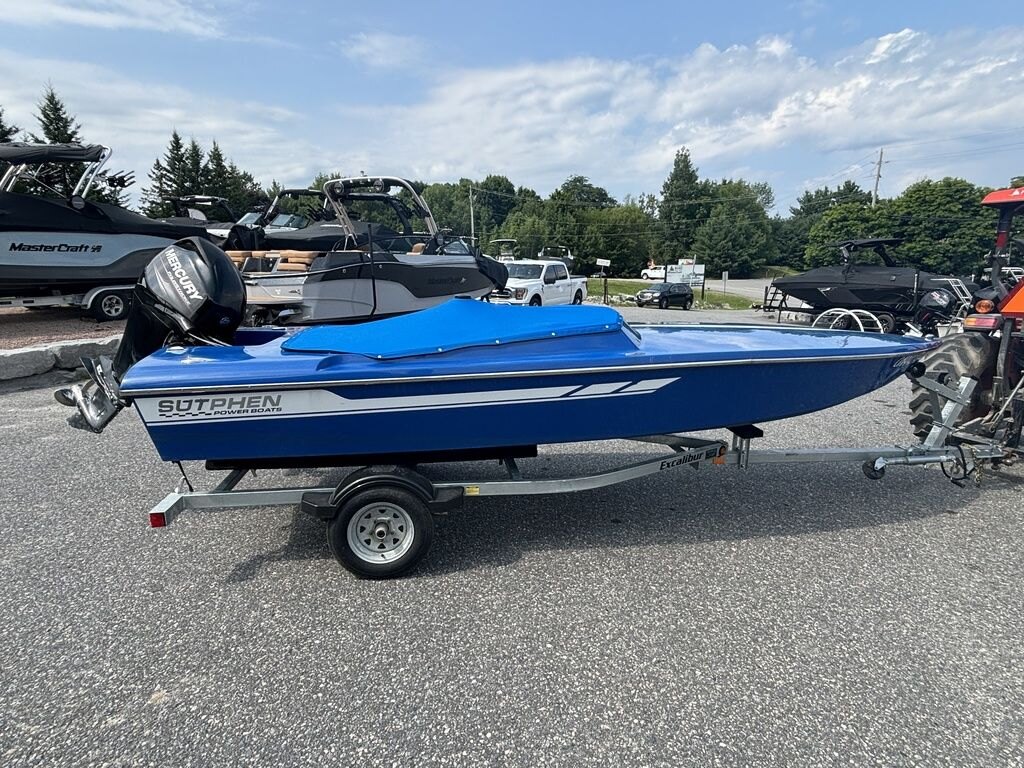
[(782, 615)]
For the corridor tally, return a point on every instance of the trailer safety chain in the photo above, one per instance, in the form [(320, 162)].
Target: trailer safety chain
[(961, 464)]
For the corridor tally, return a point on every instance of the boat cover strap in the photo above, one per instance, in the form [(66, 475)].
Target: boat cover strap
[(457, 324)]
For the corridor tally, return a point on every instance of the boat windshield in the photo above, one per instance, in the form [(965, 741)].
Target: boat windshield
[(525, 271), (289, 220), (250, 218)]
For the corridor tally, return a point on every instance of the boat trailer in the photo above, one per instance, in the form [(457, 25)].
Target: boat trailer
[(380, 518)]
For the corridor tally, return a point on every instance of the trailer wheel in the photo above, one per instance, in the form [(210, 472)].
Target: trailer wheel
[(111, 305), (578, 298), (965, 354), (381, 532)]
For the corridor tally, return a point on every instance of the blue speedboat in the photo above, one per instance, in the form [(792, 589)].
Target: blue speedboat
[(462, 377)]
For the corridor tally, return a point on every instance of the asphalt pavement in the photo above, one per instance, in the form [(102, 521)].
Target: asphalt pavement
[(777, 616)]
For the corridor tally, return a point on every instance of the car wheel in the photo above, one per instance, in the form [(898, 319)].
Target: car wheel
[(663, 303), (644, 276), (688, 302), (578, 298), (535, 301)]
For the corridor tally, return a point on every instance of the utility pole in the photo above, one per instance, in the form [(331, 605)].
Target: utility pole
[(472, 219), (878, 176)]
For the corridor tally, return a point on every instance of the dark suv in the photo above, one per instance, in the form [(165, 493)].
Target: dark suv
[(666, 295)]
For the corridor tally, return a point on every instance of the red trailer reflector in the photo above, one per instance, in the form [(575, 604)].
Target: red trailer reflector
[(982, 322), (157, 520)]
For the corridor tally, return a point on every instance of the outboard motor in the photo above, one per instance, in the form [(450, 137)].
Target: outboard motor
[(190, 293)]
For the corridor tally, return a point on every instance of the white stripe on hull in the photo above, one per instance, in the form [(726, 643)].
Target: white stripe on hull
[(160, 411)]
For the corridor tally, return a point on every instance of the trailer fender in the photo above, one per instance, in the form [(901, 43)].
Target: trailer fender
[(326, 504)]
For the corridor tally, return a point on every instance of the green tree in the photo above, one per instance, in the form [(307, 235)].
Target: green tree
[(791, 234), (450, 205), (1016, 181), (243, 192), (627, 239), (498, 198), (191, 178), (845, 221), (215, 173), (686, 202), (7, 130), (165, 179), (943, 225), (736, 236), (57, 126), (530, 230), (7, 133), (578, 192)]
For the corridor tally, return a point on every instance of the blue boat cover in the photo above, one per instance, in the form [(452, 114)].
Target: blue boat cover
[(456, 324)]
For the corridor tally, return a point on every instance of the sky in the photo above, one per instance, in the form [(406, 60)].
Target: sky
[(799, 94)]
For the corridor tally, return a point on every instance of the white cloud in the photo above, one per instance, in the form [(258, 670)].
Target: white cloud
[(383, 50), (621, 122), (764, 107), (892, 45), (136, 119), (181, 16)]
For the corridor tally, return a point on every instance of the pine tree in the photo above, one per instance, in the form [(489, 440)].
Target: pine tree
[(154, 196), (165, 179), (7, 133), (723, 242), (685, 203), (216, 176), (192, 170), (7, 130), (58, 126)]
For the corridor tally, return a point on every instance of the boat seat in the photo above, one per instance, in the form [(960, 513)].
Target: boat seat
[(417, 249), (287, 266), (238, 257), (298, 257)]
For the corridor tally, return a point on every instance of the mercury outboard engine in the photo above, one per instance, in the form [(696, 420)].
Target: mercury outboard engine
[(190, 293)]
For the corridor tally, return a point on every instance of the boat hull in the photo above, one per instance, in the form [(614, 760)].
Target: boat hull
[(46, 263), (868, 287), (419, 408)]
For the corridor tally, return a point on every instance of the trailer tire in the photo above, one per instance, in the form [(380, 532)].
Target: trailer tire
[(381, 532), (108, 306), (965, 354), (578, 298)]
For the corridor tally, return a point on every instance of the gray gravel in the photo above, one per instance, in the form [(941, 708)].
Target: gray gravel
[(33, 327), (782, 616)]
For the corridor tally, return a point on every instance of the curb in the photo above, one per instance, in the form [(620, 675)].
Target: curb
[(19, 364)]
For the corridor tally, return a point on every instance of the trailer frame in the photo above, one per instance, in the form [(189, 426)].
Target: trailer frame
[(961, 456)]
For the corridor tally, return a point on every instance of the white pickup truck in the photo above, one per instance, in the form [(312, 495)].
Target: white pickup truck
[(540, 282)]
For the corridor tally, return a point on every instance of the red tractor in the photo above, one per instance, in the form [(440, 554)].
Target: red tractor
[(990, 350)]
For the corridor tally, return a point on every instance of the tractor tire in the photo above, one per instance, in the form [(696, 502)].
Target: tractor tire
[(965, 354)]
